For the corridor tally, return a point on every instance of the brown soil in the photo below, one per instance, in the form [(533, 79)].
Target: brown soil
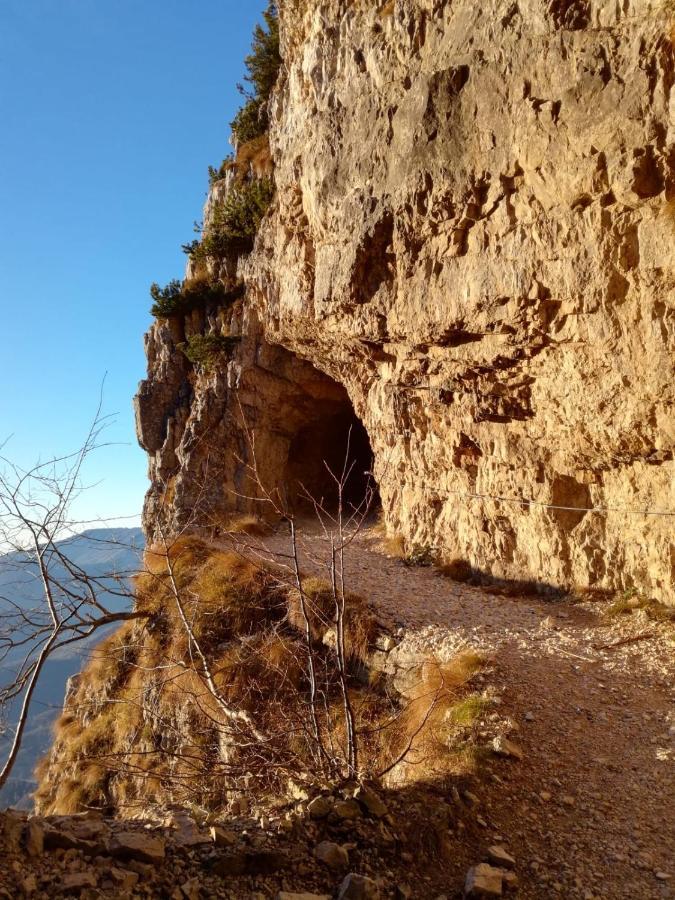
[(588, 813)]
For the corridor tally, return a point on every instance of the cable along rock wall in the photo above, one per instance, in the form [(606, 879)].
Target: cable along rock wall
[(472, 238)]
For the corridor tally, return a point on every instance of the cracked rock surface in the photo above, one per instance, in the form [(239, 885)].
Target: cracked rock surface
[(473, 237)]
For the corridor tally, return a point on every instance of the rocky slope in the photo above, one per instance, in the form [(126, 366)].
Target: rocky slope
[(575, 781), (471, 252)]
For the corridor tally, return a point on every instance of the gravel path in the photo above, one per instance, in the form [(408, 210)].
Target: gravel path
[(590, 810)]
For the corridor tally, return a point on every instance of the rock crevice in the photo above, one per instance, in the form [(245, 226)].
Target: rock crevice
[(473, 238)]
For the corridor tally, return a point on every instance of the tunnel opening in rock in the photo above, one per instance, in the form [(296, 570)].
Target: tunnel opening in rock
[(333, 444)]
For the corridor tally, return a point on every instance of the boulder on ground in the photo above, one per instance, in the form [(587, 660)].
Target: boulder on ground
[(483, 881), (136, 845), (319, 807), (359, 887), (372, 802), (498, 856), (332, 855), (504, 747), (34, 838), (346, 809), (63, 839)]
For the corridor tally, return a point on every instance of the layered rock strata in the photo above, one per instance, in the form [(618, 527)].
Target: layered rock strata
[(472, 249)]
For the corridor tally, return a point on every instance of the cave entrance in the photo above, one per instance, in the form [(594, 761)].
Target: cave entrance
[(332, 440)]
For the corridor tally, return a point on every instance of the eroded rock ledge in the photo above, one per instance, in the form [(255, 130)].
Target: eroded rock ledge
[(472, 243)]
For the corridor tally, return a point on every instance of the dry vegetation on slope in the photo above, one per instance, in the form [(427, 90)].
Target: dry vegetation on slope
[(209, 700)]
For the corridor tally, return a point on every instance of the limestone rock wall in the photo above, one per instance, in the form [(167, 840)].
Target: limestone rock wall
[(473, 235)]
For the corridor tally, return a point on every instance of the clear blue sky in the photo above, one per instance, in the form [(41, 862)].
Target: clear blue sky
[(110, 112)]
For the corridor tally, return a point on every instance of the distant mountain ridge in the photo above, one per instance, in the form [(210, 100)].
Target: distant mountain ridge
[(98, 552)]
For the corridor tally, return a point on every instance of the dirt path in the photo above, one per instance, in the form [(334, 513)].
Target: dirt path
[(590, 810)]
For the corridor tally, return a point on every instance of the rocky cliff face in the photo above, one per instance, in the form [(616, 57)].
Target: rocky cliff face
[(471, 251)]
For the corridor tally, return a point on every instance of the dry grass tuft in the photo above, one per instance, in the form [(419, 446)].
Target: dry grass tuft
[(143, 727), (434, 712), (379, 529), (394, 545), (467, 711), (247, 524), (254, 157), (361, 627), (185, 553), (632, 602), (456, 569)]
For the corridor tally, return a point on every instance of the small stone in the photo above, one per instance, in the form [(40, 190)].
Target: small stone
[(145, 870), (471, 798), (289, 895), (662, 876), (545, 796), (221, 837), (332, 855), (358, 887), (504, 747), (568, 800), (77, 881), (346, 809), (371, 801), (12, 828), (191, 889), (483, 880), (529, 717), (34, 837), (136, 845), (500, 857), (123, 878), (319, 807), (29, 885), (510, 881)]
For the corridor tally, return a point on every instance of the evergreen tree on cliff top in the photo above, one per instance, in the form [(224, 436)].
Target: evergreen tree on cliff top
[(262, 66)]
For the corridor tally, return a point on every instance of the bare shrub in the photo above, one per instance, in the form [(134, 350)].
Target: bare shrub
[(243, 675), (70, 605)]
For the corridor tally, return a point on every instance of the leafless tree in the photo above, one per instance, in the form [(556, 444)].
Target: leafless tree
[(70, 605), (252, 732), (340, 522)]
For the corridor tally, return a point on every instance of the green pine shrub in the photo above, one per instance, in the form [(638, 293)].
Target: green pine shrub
[(235, 221), (179, 299), (262, 65), (251, 121), (203, 349)]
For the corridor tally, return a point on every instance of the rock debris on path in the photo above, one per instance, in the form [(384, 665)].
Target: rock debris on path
[(590, 811)]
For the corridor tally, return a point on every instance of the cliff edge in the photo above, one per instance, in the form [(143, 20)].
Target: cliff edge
[(470, 254)]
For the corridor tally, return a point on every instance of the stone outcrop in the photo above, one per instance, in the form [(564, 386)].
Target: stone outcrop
[(471, 251)]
